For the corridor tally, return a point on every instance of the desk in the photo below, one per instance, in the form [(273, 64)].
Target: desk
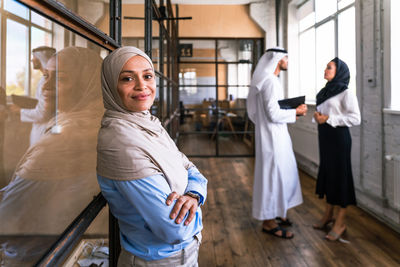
[(226, 117)]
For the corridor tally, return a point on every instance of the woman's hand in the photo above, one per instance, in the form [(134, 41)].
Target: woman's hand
[(320, 118), (301, 110), (183, 205)]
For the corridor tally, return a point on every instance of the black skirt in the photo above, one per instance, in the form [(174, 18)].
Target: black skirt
[(335, 178)]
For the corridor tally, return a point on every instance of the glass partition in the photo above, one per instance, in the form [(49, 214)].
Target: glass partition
[(94, 11), (213, 92), (50, 112)]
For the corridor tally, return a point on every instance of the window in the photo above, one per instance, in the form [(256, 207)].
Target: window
[(326, 30), (24, 31), (16, 49), (70, 87), (395, 55), (16, 8)]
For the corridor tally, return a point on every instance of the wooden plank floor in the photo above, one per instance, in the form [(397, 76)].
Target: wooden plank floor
[(231, 237)]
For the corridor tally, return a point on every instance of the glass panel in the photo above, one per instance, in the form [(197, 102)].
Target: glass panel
[(16, 58), (325, 50), (41, 21), (223, 78), (155, 54), (197, 83), (196, 143), (344, 3), (228, 50), (16, 8), (347, 43), (93, 11), (307, 22), (203, 50), (307, 64), (395, 54), (39, 38), (324, 8), (50, 140), (133, 25)]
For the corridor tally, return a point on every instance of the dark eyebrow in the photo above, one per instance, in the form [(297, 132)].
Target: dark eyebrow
[(130, 71)]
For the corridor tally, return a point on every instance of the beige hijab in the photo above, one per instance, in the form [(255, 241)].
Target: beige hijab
[(134, 145)]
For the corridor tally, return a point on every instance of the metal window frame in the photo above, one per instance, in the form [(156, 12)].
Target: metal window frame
[(58, 13), (257, 42)]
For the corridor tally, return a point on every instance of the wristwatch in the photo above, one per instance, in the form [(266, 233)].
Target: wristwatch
[(193, 195)]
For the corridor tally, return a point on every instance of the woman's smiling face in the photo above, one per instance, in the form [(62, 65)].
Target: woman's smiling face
[(136, 84)]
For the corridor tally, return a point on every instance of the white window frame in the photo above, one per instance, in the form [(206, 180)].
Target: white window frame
[(387, 59)]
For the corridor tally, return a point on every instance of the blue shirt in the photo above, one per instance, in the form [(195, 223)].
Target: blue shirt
[(146, 229)]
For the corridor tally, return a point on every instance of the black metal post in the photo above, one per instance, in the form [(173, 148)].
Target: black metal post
[(115, 20), (277, 18), (216, 100), (113, 239), (71, 236), (148, 33), (113, 229), (161, 66)]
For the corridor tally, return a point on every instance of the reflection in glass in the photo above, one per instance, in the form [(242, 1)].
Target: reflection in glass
[(55, 179), (16, 69), (38, 38), (93, 11), (41, 21), (16, 8)]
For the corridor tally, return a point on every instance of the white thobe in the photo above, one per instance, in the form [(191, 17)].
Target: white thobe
[(276, 179), (38, 116)]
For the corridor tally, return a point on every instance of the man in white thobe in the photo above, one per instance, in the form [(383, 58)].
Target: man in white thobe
[(40, 115), (276, 180)]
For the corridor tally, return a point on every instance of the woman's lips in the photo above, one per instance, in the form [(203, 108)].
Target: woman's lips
[(141, 96)]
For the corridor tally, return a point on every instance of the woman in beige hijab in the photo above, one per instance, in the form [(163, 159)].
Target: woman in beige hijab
[(152, 188)]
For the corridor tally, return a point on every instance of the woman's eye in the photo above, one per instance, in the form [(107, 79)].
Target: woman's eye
[(127, 79), (148, 76)]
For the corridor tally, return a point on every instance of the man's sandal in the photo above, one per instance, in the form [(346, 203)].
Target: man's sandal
[(276, 229), (283, 222)]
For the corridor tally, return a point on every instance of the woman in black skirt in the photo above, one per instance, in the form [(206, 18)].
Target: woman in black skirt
[(337, 110)]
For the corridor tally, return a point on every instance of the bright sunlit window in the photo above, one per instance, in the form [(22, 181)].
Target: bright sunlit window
[(395, 54), (24, 30), (319, 42)]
